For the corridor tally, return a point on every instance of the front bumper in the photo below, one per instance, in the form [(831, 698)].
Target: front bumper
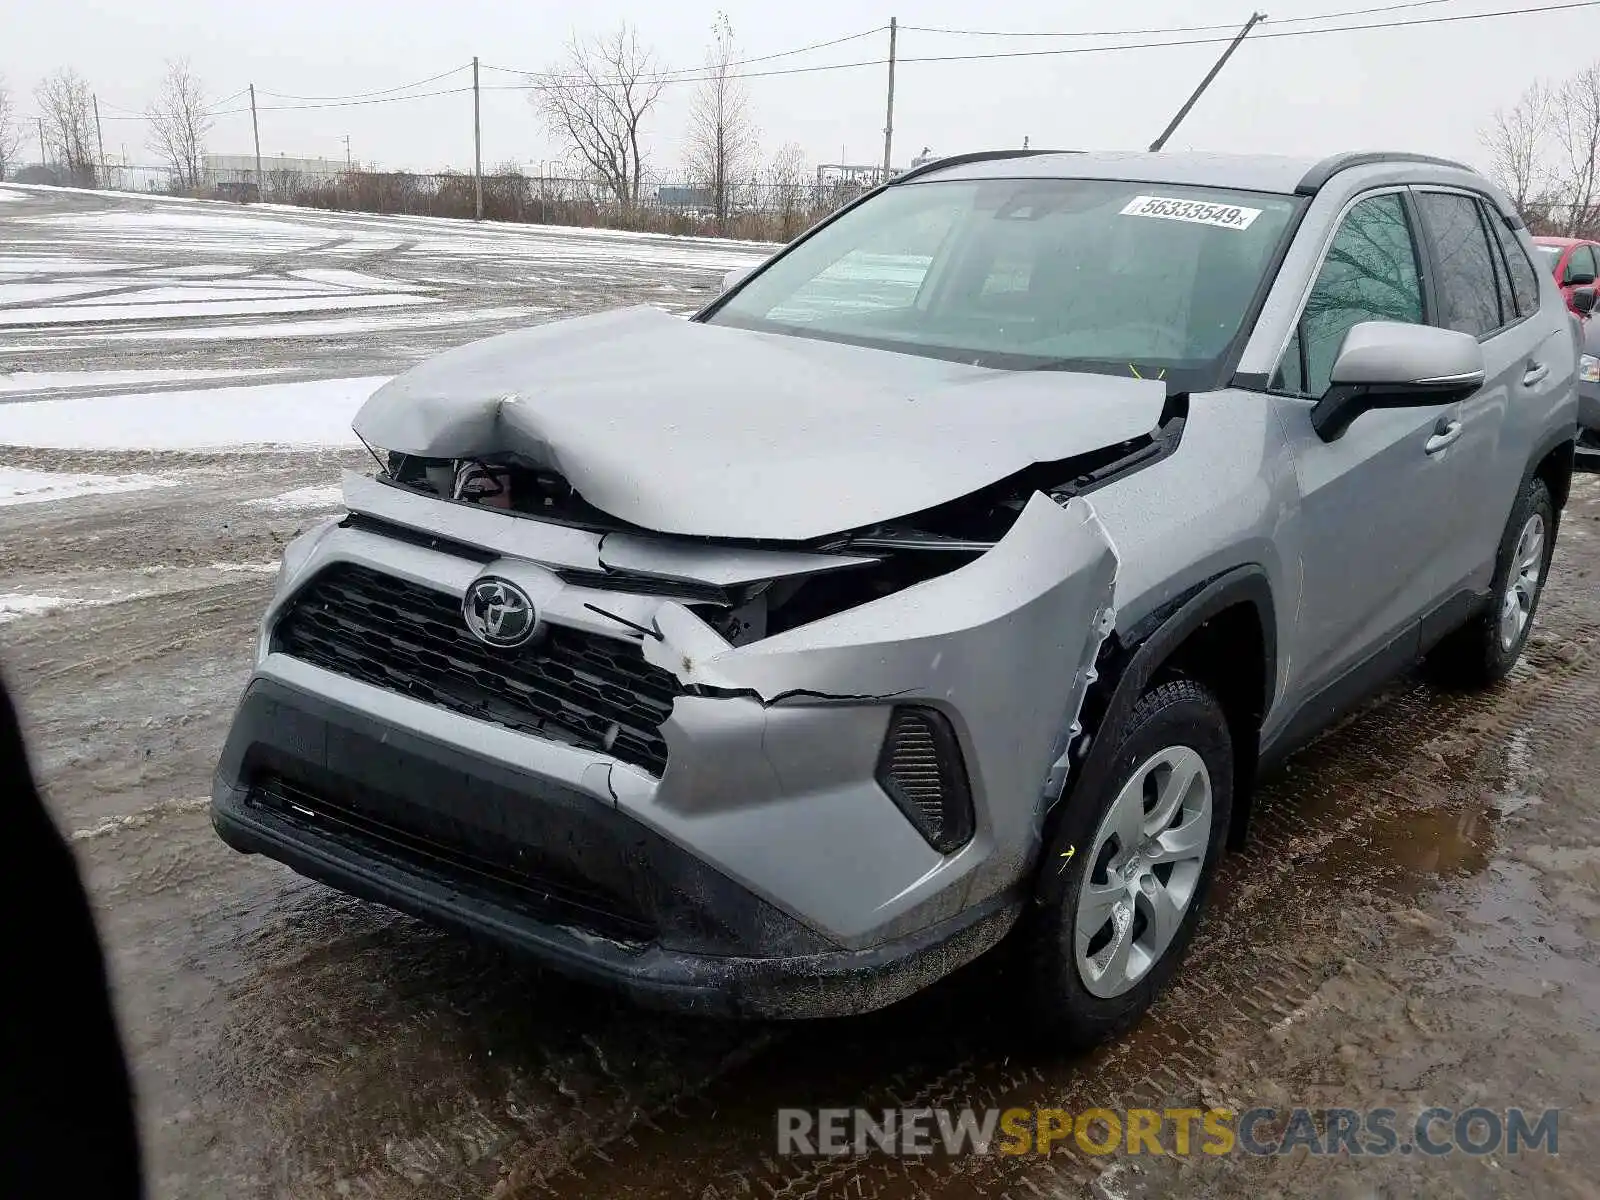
[(1587, 457), (765, 857), (471, 843)]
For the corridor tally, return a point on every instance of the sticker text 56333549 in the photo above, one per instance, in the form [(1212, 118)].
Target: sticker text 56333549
[(1196, 212)]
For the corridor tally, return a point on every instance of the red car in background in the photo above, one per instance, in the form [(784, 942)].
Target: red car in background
[(1573, 261)]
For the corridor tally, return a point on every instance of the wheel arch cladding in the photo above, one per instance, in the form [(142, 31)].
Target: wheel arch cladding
[(1555, 469), (1221, 633)]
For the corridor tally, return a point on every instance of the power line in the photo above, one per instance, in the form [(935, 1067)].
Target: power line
[(359, 103), (365, 95), (667, 76), (1259, 37), (1029, 33), (1064, 50), (226, 99), (556, 83)]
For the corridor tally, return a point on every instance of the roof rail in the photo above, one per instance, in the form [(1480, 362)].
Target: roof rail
[(1317, 176), (975, 156)]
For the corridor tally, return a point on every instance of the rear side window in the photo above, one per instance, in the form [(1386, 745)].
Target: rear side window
[(1524, 282), (1469, 298), (1370, 274)]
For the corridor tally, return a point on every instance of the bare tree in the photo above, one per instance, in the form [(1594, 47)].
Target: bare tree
[(789, 179), (1577, 129), (1518, 140), (594, 102), (66, 106), (179, 123), (10, 131), (721, 143)]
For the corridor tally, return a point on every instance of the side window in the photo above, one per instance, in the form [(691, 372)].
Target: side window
[(1524, 282), (1370, 274), (1580, 264), (1468, 296)]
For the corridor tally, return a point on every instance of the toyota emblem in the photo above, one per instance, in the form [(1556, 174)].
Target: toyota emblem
[(499, 613)]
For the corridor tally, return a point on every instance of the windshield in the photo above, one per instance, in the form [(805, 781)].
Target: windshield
[(1148, 279)]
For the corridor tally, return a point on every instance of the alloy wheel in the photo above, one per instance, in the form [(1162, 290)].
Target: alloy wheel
[(1146, 862), (1522, 588)]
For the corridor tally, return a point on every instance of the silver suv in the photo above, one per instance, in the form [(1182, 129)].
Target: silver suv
[(950, 577)]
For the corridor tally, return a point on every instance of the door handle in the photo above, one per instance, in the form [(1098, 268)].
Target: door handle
[(1445, 434), (1535, 373)]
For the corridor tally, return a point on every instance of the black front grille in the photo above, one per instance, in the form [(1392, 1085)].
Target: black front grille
[(489, 866), (573, 687)]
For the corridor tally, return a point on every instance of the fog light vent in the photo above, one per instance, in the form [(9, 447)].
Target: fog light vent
[(921, 769)]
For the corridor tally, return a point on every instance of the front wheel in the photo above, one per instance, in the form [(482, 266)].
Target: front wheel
[(1124, 879)]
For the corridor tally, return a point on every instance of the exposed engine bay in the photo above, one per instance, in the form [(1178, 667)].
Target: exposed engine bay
[(880, 560)]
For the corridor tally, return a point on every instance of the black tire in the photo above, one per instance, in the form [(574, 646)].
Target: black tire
[(1178, 713), (1476, 655)]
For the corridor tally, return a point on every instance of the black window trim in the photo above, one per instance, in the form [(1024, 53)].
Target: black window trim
[(1429, 309), (1501, 270), (1431, 253), (1505, 243)]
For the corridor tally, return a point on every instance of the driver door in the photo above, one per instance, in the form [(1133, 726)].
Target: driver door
[(1377, 504)]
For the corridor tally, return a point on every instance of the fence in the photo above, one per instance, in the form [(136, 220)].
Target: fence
[(757, 209)]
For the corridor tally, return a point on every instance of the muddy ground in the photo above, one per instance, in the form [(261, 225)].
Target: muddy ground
[(1414, 923)]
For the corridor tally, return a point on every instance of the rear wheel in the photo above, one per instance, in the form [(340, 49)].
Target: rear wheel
[(1484, 650), (1125, 878)]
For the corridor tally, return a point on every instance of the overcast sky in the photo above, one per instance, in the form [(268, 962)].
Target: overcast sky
[(1427, 88)]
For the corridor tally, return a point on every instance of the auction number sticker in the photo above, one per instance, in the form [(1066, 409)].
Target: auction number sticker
[(1197, 212)]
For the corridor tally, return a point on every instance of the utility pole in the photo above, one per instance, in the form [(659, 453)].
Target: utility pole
[(44, 155), (349, 167), (888, 124), (100, 141), (1255, 19), (477, 147), (255, 131)]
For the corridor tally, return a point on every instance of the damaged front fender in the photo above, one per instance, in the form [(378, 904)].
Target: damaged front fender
[(790, 727)]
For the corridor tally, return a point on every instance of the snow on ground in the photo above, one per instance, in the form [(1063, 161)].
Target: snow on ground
[(333, 327), (14, 264), (119, 283), (96, 313), (53, 381), (19, 604), (186, 224), (309, 414), (306, 499), (6, 195), (19, 485), (33, 293)]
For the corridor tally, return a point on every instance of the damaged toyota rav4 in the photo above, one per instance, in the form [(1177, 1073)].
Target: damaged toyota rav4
[(947, 579)]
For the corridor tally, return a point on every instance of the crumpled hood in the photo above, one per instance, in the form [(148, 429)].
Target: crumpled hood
[(704, 430)]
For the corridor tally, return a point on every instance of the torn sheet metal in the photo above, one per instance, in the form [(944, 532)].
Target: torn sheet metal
[(581, 549), (1005, 646), (709, 431)]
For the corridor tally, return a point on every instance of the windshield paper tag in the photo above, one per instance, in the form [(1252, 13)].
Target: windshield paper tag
[(1196, 212)]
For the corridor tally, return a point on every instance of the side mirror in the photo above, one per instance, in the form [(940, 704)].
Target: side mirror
[(1390, 364), (1578, 279), (1582, 300), (735, 277)]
